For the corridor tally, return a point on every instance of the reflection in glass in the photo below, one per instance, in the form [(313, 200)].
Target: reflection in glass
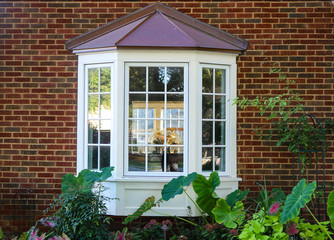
[(136, 131), (219, 159), (137, 81), (104, 156), (93, 80), (156, 101), (155, 159), (175, 81), (219, 133), (105, 105), (220, 107), (156, 79), (207, 80), (93, 106), (92, 157), (174, 132), (137, 101), (137, 158), (220, 81), (174, 159), (207, 158), (156, 134), (105, 79), (207, 132), (207, 106), (93, 131), (174, 102), (105, 126)]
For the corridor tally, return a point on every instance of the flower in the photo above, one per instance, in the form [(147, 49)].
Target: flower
[(291, 228), (234, 232), (274, 208), (167, 222), (208, 227)]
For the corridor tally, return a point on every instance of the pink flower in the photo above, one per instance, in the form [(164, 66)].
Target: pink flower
[(234, 232), (153, 222), (274, 208), (167, 222), (291, 228), (208, 227)]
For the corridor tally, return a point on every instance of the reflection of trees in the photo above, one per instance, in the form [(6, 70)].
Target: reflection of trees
[(175, 77)]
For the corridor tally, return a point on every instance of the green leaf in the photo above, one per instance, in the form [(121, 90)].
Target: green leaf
[(147, 205), (99, 176), (330, 208), (224, 214), (235, 196), (205, 190), (300, 196), (71, 182), (175, 186), (1, 234)]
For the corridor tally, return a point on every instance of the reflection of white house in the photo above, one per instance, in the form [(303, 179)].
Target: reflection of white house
[(141, 146)]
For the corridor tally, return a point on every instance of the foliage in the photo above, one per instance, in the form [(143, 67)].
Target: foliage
[(146, 206), (330, 208), (81, 212), (231, 217), (266, 200), (236, 196), (312, 231), (153, 230)]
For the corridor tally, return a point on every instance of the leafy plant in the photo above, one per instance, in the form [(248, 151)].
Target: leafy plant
[(231, 217), (146, 206), (330, 208)]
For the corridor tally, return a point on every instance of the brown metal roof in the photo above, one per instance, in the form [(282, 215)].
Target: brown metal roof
[(157, 26)]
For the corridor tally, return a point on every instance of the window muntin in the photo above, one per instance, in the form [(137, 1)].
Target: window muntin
[(156, 107), (214, 122), (98, 109)]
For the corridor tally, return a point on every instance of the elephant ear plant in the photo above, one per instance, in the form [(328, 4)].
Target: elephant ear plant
[(229, 211), (80, 207)]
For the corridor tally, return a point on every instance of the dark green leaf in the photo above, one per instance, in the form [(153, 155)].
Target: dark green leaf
[(175, 186), (330, 208), (147, 205), (235, 196), (99, 176)]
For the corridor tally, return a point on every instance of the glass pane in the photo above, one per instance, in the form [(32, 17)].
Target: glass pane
[(220, 81), (93, 80), (105, 126), (207, 158), (136, 131), (174, 105), (156, 133), (137, 101), (220, 159), (207, 132), (156, 79), (156, 102), (150, 113), (155, 159), (207, 107), (92, 157), (220, 107), (93, 131), (105, 111), (104, 156), (174, 159), (105, 79), (137, 158), (137, 81), (175, 81), (174, 132), (220, 133), (93, 106), (207, 80)]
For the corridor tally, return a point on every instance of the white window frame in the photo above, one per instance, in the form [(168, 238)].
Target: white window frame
[(185, 66), (228, 94)]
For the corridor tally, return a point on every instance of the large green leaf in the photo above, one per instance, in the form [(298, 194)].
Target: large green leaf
[(330, 208), (300, 196), (93, 176), (147, 205), (229, 217), (236, 196), (71, 182), (206, 199), (175, 186)]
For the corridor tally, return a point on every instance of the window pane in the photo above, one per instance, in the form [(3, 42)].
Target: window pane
[(105, 126), (92, 157), (93, 131), (175, 81), (137, 158), (175, 133), (174, 159), (136, 131), (220, 133), (137, 79), (105, 79), (93, 106), (220, 107), (207, 132), (174, 105), (156, 79), (137, 101), (156, 102), (156, 135), (220, 81), (207, 107), (104, 156), (207, 159), (105, 106), (155, 159), (220, 159), (207, 80), (93, 80)]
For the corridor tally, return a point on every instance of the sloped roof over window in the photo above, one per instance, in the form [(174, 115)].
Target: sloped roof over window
[(157, 26)]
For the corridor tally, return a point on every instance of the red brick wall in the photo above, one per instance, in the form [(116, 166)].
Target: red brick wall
[(38, 86)]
